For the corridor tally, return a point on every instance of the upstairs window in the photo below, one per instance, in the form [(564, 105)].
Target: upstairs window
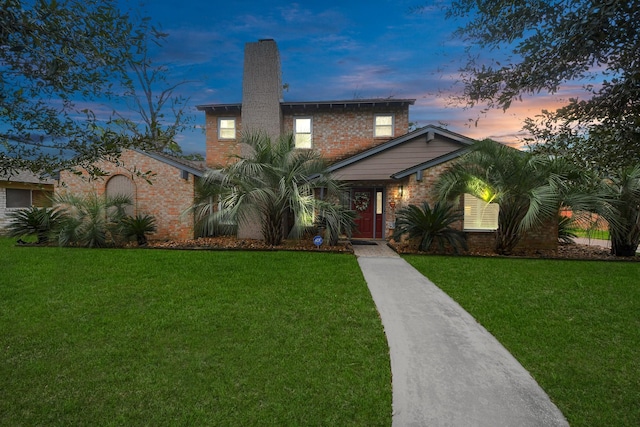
[(302, 132), (226, 128), (480, 215), (383, 126)]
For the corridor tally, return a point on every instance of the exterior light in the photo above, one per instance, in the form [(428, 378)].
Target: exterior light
[(400, 190)]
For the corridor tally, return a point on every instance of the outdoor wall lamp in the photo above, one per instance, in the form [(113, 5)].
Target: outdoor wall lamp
[(400, 190)]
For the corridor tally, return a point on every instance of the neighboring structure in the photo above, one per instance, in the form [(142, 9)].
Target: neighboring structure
[(167, 194), (23, 190), (367, 141)]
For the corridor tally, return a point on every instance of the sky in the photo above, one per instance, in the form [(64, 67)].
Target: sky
[(330, 50)]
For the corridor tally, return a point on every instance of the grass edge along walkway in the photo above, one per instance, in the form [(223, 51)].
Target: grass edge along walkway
[(131, 337), (573, 324)]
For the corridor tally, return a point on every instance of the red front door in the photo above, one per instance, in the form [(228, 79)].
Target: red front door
[(363, 203)]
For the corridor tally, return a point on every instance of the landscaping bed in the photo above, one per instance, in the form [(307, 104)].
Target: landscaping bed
[(571, 251)]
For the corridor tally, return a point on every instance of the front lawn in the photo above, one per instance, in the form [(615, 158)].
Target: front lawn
[(158, 337), (574, 325)]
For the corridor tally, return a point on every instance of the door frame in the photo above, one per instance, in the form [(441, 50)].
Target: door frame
[(378, 206)]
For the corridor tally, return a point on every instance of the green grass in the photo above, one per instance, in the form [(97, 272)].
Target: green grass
[(197, 338), (592, 234), (574, 325)]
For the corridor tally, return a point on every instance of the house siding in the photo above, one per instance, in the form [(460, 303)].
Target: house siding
[(166, 197), (4, 211), (404, 156)]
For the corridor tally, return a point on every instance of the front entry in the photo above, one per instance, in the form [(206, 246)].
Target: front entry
[(367, 203)]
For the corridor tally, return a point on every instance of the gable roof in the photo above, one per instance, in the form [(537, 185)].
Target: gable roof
[(193, 168), (430, 132), (27, 177)]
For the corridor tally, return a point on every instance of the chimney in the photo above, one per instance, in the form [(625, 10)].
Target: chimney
[(262, 89)]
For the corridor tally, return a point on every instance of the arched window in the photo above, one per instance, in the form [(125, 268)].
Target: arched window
[(124, 186)]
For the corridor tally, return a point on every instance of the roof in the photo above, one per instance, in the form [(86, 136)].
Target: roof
[(429, 131), (194, 168), (25, 176), (305, 105)]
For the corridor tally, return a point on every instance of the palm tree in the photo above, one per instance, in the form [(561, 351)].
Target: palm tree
[(273, 183), (33, 221), (90, 220), (623, 189), (528, 188), (431, 225)]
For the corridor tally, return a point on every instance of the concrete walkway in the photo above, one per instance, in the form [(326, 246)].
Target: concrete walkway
[(447, 369)]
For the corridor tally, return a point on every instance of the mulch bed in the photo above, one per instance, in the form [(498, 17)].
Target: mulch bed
[(234, 243), (573, 251)]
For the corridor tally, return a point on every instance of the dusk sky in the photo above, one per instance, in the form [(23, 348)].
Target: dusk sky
[(329, 51)]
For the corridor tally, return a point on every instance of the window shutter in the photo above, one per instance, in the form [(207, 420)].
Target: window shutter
[(480, 215)]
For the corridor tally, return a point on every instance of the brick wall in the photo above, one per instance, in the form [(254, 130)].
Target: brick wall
[(543, 238), (166, 198), (219, 152), (340, 133)]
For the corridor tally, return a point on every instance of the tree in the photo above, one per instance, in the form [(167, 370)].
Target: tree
[(623, 188), (273, 183), (528, 188), (149, 93), (56, 58), (553, 42)]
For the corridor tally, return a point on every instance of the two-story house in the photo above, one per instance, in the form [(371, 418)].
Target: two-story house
[(366, 141)]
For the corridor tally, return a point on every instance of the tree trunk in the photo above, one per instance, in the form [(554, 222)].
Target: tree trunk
[(619, 247)]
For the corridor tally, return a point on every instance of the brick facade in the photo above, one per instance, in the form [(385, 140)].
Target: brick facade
[(339, 133), (220, 152), (166, 197), (543, 238)]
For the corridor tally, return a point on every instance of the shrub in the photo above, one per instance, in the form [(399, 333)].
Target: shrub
[(33, 221), (335, 220), (431, 225), (90, 220), (137, 227)]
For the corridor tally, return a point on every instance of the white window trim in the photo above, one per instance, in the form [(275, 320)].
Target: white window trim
[(376, 127), (296, 133), (479, 215), (235, 128)]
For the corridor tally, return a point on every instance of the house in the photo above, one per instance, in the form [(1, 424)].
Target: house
[(166, 193), (23, 190), (367, 142)]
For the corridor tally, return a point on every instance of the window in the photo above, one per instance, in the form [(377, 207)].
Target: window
[(480, 215), (226, 128), (18, 198), (383, 125), (379, 202), (302, 132)]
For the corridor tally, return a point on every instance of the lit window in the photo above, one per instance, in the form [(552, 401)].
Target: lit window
[(383, 125), (302, 132), (480, 215), (226, 128), (379, 202)]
